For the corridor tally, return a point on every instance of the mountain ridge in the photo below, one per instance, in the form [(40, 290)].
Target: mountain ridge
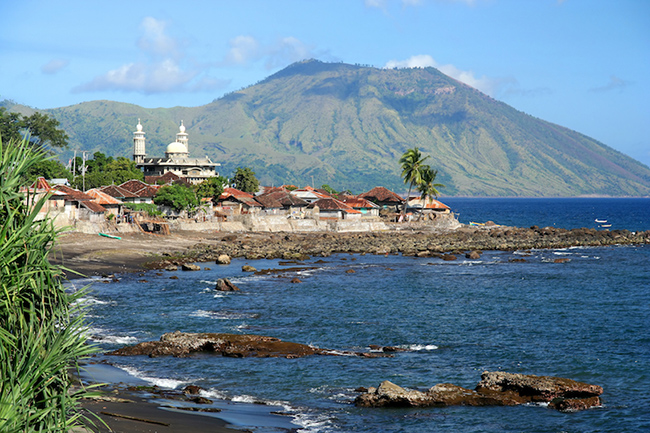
[(347, 126)]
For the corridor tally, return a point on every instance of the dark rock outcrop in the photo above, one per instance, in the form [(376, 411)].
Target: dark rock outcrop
[(190, 267), (224, 285), (182, 344), (494, 389)]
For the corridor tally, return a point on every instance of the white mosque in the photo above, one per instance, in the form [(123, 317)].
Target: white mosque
[(177, 159)]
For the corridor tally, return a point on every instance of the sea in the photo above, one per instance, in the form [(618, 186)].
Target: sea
[(586, 319)]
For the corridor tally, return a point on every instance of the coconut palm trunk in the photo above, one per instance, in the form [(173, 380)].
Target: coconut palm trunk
[(413, 165)]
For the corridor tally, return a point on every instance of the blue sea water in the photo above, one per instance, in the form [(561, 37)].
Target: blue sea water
[(587, 319)]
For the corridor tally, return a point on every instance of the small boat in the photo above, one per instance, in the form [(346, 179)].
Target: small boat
[(605, 226), (109, 236), (599, 221), (472, 223)]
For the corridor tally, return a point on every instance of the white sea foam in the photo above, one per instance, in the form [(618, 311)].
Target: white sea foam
[(115, 339), (158, 381), (90, 300), (419, 347), (102, 335), (223, 315)]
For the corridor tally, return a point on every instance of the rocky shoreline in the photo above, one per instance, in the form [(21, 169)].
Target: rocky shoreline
[(464, 241), (495, 389)]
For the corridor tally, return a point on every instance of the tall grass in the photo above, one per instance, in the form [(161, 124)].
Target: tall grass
[(42, 333)]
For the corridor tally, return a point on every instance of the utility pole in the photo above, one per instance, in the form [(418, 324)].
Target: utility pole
[(83, 169)]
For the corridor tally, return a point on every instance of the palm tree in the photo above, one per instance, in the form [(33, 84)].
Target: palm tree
[(412, 165), (428, 187)]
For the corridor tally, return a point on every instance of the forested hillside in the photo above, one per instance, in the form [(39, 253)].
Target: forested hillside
[(347, 126)]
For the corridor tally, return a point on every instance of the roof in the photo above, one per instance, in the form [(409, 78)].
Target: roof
[(41, 184), (102, 197), (356, 202), (286, 198), (139, 188), (381, 194), (332, 204), (429, 204), (93, 206), (435, 204), (268, 201), (117, 192), (240, 196), (73, 194), (165, 178)]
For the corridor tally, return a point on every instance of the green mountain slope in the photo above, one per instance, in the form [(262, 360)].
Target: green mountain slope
[(347, 126)]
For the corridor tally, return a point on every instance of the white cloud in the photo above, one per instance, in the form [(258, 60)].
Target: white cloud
[(614, 83), (147, 78), (420, 61), (155, 41), (380, 4), (243, 49), (484, 84), (164, 68), (247, 49), (287, 50), (54, 66)]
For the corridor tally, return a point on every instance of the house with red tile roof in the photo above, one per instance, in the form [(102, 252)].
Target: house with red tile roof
[(119, 193), (331, 208), (366, 207), (383, 197), (310, 194), (55, 204), (233, 201), (143, 191), (79, 205), (110, 203)]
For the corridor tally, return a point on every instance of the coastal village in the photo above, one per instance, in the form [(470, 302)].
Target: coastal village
[(290, 208)]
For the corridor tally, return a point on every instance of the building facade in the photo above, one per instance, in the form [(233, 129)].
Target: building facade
[(176, 160)]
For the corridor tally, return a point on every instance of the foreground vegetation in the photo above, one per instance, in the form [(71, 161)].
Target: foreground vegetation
[(42, 331)]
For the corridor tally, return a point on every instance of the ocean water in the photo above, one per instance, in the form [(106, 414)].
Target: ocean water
[(587, 319)]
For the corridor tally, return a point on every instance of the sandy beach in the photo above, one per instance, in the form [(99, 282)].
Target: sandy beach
[(93, 255)]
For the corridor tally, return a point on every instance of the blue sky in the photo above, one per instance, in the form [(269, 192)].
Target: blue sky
[(583, 64)]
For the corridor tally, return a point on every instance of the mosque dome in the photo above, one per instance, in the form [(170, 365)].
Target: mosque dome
[(176, 147), (182, 127)]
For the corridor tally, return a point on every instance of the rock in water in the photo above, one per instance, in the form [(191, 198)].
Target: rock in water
[(535, 388), (223, 259), (224, 285), (190, 267), (494, 389), (248, 268)]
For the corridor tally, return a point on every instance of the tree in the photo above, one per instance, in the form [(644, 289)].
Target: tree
[(427, 186), (43, 131), (103, 170), (245, 180), (211, 188), (177, 196), (329, 189), (412, 167), (47, 168), (10, 126)]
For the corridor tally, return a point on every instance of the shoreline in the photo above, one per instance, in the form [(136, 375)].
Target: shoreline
[(92, 255)]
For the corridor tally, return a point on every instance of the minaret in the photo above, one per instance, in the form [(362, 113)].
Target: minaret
[(138, 145), (181, 137)]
